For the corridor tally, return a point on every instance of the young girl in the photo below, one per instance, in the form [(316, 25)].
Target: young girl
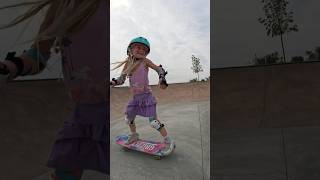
[(79, 30), (143, 103)]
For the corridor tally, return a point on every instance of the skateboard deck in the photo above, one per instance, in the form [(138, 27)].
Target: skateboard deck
[(145, 146)]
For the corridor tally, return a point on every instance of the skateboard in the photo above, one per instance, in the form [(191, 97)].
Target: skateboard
[(145, 146)]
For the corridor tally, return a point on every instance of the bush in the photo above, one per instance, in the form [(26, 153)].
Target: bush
[(193, 80), (297, 59)]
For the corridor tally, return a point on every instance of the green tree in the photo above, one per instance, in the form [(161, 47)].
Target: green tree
[(196, 66), (277, 20)]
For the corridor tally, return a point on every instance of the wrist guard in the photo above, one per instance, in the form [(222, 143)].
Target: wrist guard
[(162, 75), (120, 80)]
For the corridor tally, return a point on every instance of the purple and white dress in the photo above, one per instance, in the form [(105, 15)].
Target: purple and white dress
[(84, 141), (143, 102)]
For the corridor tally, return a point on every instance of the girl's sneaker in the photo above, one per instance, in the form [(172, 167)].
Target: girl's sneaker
[(132, 138)]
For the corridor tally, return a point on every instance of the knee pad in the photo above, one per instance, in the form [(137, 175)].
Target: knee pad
[(155, 124)]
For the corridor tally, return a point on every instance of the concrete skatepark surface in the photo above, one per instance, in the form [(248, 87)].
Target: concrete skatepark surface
[(33, 111), (189, 161), (265, 122), (252, 138), (265, 153), (184, 109), (266, 96)]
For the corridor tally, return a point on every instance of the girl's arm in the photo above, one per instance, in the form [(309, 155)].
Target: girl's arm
[(161, 72), (122, 78), (34, 60)]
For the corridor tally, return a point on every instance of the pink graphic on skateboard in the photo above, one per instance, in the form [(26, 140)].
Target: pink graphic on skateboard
[(146, 146)]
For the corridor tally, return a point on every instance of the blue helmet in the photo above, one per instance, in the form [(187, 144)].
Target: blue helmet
[(140, 40)]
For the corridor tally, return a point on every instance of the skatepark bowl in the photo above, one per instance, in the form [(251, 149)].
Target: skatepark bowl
[(33, 111), (184, 109)]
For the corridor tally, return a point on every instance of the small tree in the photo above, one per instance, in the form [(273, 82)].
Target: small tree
[(296, 59), (272, 58), (196, 66), (277, 20), (193, 80), (317, 50), (313, 56)]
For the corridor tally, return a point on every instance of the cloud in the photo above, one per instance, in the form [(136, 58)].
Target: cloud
[(176, 30)]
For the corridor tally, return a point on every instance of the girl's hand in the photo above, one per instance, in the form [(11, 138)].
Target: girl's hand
[(112, 83), (4, 73), (163, 84), (3, 69)]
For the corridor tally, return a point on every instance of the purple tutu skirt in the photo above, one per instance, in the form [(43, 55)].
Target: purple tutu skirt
[(143, 105), (84, 141)]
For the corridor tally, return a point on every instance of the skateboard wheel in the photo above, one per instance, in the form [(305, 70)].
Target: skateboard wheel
[(157, 157)]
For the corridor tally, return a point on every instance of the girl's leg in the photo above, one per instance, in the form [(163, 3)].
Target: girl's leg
[(66, 175), (129, 118), (134, 136), (156, 124), (130, 121), (170, 144), (163, 131), (132, 127)]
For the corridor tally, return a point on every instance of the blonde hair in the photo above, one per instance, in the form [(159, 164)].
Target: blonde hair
[(129, 65), (63, 17)]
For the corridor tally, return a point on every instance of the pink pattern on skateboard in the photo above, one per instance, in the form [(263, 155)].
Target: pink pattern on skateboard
[(150, 147)]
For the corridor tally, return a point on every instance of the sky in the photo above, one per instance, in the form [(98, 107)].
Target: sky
[(16, 39), (237, 36), (176, 30)]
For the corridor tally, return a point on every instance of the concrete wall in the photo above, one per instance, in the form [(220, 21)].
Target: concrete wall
[(266, 96)]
